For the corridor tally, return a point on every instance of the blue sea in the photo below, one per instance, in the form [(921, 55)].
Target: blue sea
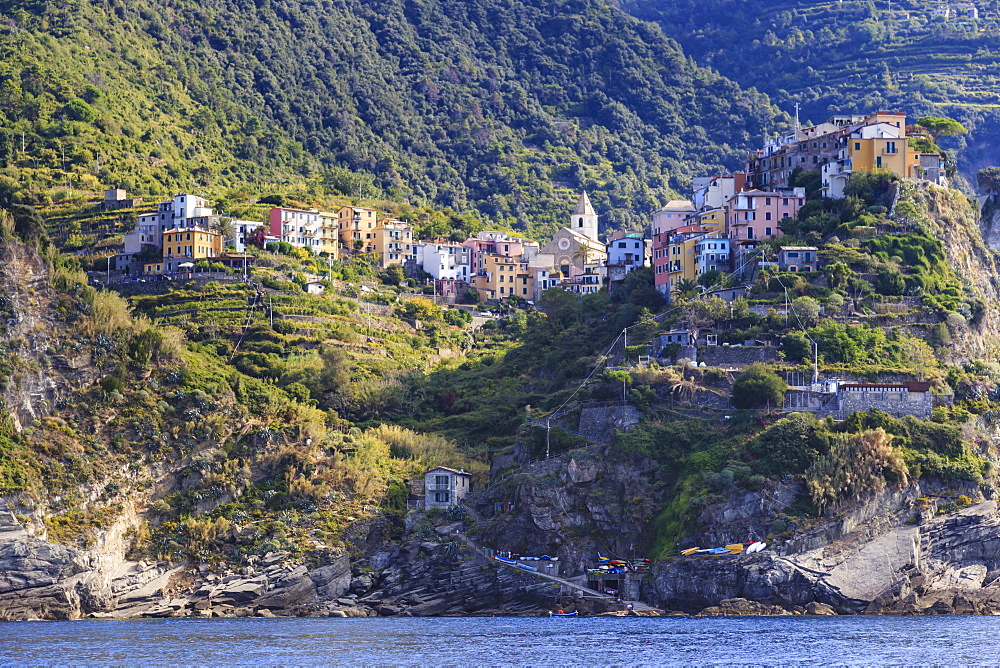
[(507, 641)]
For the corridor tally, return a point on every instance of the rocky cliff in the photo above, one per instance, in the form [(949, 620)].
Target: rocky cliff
[(899, 553)]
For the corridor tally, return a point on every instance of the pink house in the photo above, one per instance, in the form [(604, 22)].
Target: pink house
[(495, 243), (756, 214)]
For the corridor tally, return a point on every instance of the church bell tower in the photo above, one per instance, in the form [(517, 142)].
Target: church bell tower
[(584, 219)]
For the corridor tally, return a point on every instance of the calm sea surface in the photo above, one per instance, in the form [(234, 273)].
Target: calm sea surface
[(507, 641)]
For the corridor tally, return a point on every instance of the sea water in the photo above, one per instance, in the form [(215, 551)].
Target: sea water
[(527, 641)]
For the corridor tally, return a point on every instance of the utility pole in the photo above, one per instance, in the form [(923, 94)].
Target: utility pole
[(815, 361), (547, 429), (109, 269)]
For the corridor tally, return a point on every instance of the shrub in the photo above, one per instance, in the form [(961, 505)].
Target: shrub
[(758, 386)]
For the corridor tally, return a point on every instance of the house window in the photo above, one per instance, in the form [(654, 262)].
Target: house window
[(767, 231), (767, 201), (878, 161), (890, 147), (857, 146), (442, 497), (767, 215), (784, 201)]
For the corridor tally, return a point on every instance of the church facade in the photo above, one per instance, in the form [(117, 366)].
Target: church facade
[(576, 248)]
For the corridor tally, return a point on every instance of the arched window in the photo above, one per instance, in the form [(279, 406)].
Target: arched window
[(581, 223)]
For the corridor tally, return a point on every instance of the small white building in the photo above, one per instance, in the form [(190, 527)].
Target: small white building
[(445, 487), (315, 287), (242, 231)]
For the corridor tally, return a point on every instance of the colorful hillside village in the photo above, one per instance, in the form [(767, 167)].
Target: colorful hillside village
[(718, 229)]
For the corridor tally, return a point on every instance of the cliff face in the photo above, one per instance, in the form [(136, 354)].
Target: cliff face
[(952, 218), (895, 554), (591, 501), (44, 360)]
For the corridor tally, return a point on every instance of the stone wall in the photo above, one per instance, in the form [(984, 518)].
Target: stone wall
[(600, 422), (898, 404), (728, 356)]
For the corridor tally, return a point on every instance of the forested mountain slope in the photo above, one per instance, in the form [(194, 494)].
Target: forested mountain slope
[(850, 56), (502, 105)]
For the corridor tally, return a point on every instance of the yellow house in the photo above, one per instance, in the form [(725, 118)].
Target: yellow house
[(393, 241), (191, 242), (682, 259), (713, 220), (357, 228), (504, 277), (329, 233), (894, 154)]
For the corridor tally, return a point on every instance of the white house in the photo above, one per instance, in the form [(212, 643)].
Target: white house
[(242, 229), (182, 211), (712, 252), (627, 249), (445, 487), (445, 260)]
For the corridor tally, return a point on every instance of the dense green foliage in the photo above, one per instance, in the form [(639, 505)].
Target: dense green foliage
[(504, 105)]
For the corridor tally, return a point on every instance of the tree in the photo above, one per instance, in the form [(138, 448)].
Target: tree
[(838, 274), (711, 277), (757, 387), (889, 280), (226, 229), (421, 308), (685, 289), (989, 180), (256, 238), (806, 308), (582, 253), (941, 127), (27, 223)]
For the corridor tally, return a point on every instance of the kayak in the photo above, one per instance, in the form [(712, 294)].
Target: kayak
[(688, 552)]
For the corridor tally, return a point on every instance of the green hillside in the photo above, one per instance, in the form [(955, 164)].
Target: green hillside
[(507, 107)]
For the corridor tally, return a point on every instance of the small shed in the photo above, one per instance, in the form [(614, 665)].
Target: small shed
[(315, 287)]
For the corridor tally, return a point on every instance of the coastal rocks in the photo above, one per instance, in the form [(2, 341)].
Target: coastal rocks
[(946, 564), (741, 607), (37, 578), (451, 578), (817, 608)]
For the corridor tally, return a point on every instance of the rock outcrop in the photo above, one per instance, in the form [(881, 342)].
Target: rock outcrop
[(587, 501), (926, 564)]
